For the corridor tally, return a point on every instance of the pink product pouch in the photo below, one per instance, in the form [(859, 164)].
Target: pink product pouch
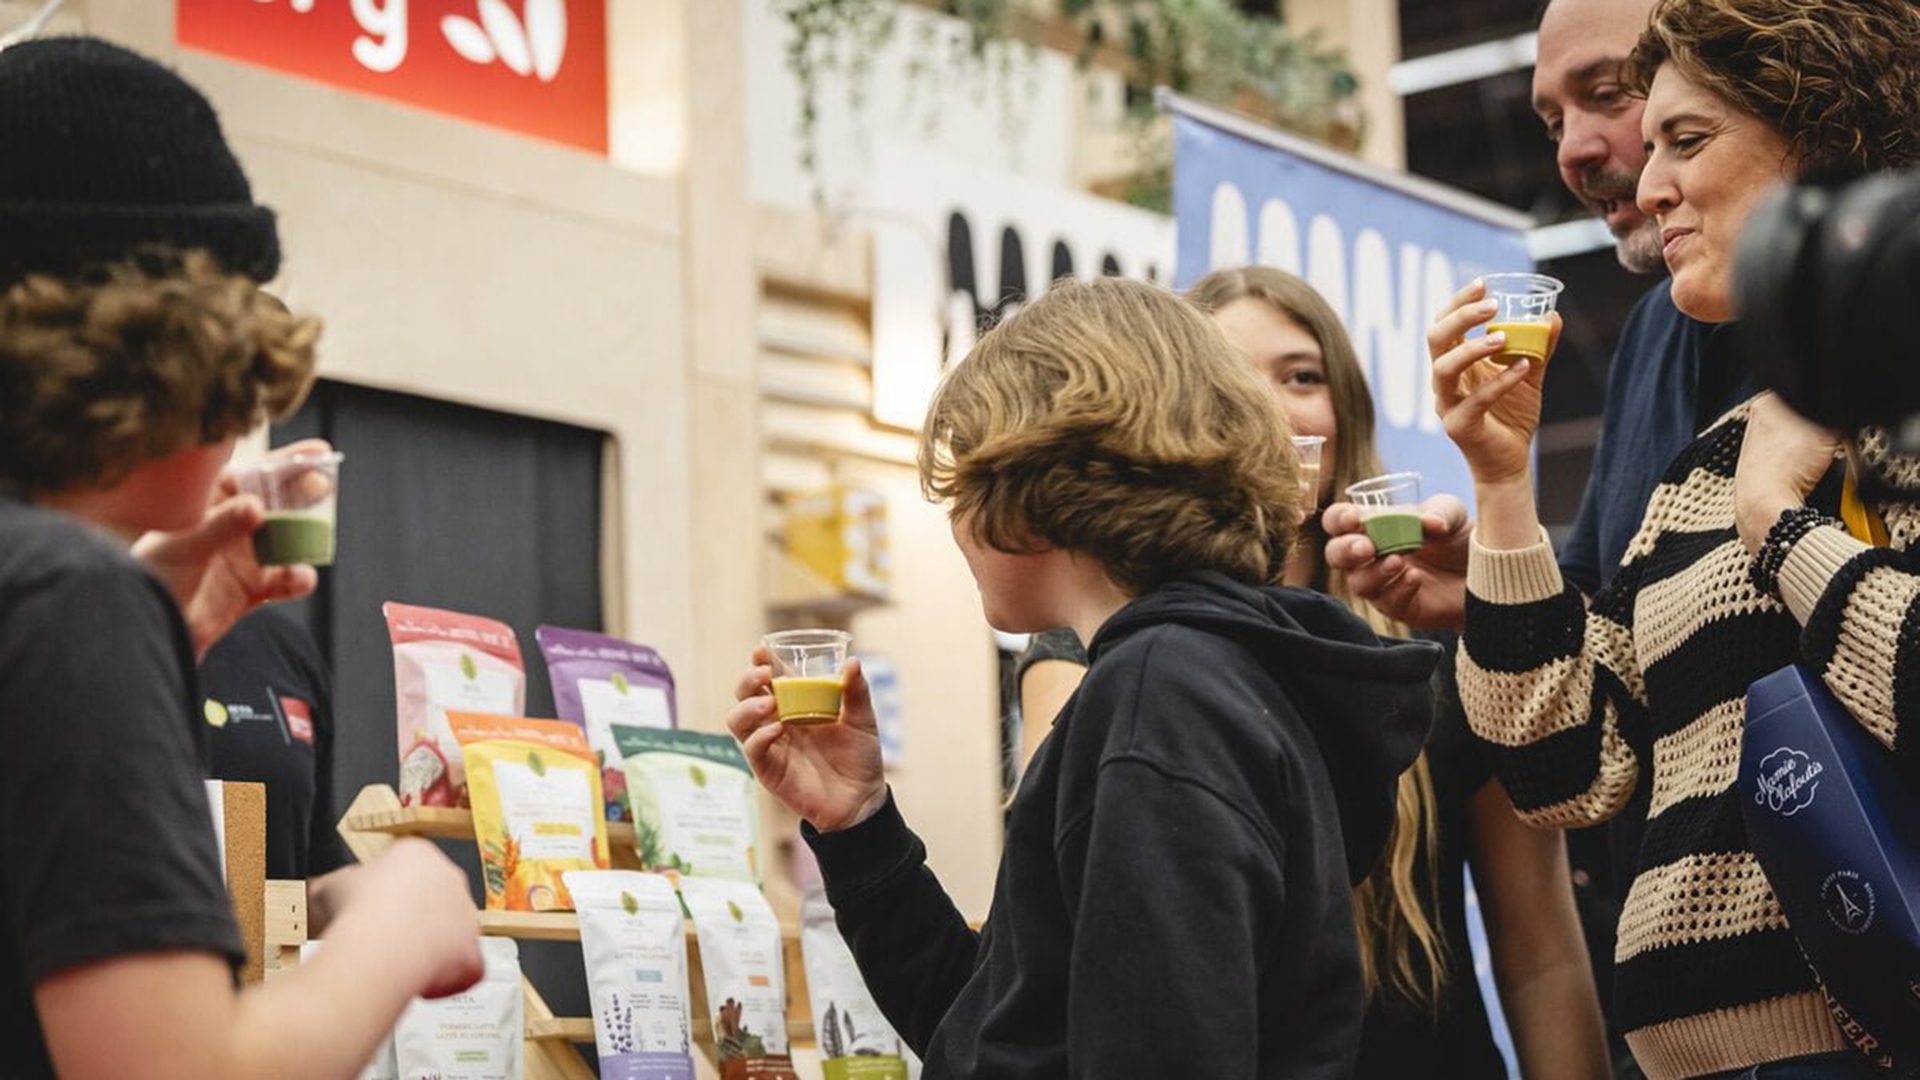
[(600, 681), (447, 660)]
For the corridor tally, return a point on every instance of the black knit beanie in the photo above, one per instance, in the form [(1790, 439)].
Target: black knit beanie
[(103, 152)]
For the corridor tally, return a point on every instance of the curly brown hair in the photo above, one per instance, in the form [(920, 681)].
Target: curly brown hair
[(138, 359), (1114, 418), (1840, 79)]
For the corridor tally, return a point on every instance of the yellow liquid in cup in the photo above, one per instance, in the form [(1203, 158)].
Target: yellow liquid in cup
[(807, 700), (1528, 339)]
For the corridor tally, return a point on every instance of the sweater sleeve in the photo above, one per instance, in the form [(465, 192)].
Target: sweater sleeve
[(1552, 685), (1860, 609), (1159, 852), (912, 945)]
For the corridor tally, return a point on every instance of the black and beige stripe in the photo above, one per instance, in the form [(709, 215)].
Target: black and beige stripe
[(1577, 703)]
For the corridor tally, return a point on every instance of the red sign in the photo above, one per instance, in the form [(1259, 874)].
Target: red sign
[(538, 67)]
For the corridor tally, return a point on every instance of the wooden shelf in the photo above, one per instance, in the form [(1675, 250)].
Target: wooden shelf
[(572, 1029), (531, 925), (447, 823)]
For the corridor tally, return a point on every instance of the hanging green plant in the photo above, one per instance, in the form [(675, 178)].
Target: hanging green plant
[(1206, 49)]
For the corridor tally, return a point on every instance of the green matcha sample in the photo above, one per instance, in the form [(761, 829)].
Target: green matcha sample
[(291, 536), (1394, 533)]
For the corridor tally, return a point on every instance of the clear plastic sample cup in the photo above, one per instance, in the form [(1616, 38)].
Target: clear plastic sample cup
[(299, 492), (808, 673), (1309, 448), (1526, 303), (1390, 508)]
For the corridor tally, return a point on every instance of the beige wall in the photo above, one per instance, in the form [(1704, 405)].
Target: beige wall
[(459, 262)]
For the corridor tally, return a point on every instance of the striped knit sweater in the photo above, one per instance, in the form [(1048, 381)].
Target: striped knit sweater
[(1578, 702)]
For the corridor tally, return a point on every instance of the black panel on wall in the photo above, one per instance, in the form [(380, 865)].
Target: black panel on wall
[(453, 507)]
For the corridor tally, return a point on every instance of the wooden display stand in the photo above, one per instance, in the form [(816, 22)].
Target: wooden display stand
[(376, 819)]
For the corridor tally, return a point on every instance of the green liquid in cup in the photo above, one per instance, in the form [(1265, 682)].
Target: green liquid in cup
[(291, 536), (1394, 533)]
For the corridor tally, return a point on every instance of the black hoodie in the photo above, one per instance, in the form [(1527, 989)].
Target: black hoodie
[(1174, 899)]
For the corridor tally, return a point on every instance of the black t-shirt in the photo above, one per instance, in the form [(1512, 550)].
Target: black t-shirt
[(269, 705), (106, 838)]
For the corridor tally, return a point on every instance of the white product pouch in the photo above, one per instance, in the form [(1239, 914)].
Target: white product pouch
[(635, 947), (856, 1042), (382, 1067), (743, 960), (474, 1035)]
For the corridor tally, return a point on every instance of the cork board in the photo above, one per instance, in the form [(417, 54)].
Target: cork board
[(244, 814)]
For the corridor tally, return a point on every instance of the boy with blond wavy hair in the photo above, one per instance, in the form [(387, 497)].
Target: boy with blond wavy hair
[(1175, 894)]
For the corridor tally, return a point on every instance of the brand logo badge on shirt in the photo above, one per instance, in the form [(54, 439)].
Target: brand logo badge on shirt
[(1848, 900), (1788, 778), (215, 713), (299, 719)]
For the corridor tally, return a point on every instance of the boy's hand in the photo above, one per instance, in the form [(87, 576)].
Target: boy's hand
[(829, 774), (1426, 589), (210, 569), (419, 901)]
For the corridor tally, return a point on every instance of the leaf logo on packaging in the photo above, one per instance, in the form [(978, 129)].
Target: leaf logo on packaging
[(698, 774), (538, 766), (733, 909), (620, 683), (628, 904), (1787, 781), (468, 668)]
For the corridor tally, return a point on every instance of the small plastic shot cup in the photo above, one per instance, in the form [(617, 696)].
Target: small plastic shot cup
[(299, 492), (809, 671), (1309, 448), (1390, 509), (1526, 305)]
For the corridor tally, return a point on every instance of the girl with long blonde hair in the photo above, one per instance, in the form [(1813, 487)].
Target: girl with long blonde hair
[(1425, 1017)]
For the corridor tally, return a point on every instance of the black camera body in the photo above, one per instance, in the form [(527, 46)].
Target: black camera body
[(1827, 283)]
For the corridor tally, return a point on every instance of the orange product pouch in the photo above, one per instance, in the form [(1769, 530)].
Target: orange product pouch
[(537, 810)]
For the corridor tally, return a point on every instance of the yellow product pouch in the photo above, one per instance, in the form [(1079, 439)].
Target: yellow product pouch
[(537, 811)]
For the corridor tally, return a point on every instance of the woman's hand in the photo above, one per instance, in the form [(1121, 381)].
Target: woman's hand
[(829, 774), (1782, 460), (1490, 412), (1426, 589)]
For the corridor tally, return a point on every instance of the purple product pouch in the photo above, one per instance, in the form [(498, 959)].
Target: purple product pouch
[(1837, 830), (599, 681)]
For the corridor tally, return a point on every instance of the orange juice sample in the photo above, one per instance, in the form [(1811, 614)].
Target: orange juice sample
[(808, 700), (1528, 339)]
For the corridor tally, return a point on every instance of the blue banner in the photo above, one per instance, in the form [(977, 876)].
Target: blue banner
[(1387, 251)]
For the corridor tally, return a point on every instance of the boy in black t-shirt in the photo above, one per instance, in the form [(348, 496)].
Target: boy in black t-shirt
[(135, 345)]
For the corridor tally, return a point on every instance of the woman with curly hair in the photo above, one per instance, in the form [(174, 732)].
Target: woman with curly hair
[(1740, 566), (136, 345), (1175, 895)]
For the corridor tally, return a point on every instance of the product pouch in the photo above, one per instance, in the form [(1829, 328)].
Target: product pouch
[(693, 800), (742, 961), (856, 1042), (383, 1066), (473, 1035), (600, 681), (443, 660), (635, 947), (536, 807)]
